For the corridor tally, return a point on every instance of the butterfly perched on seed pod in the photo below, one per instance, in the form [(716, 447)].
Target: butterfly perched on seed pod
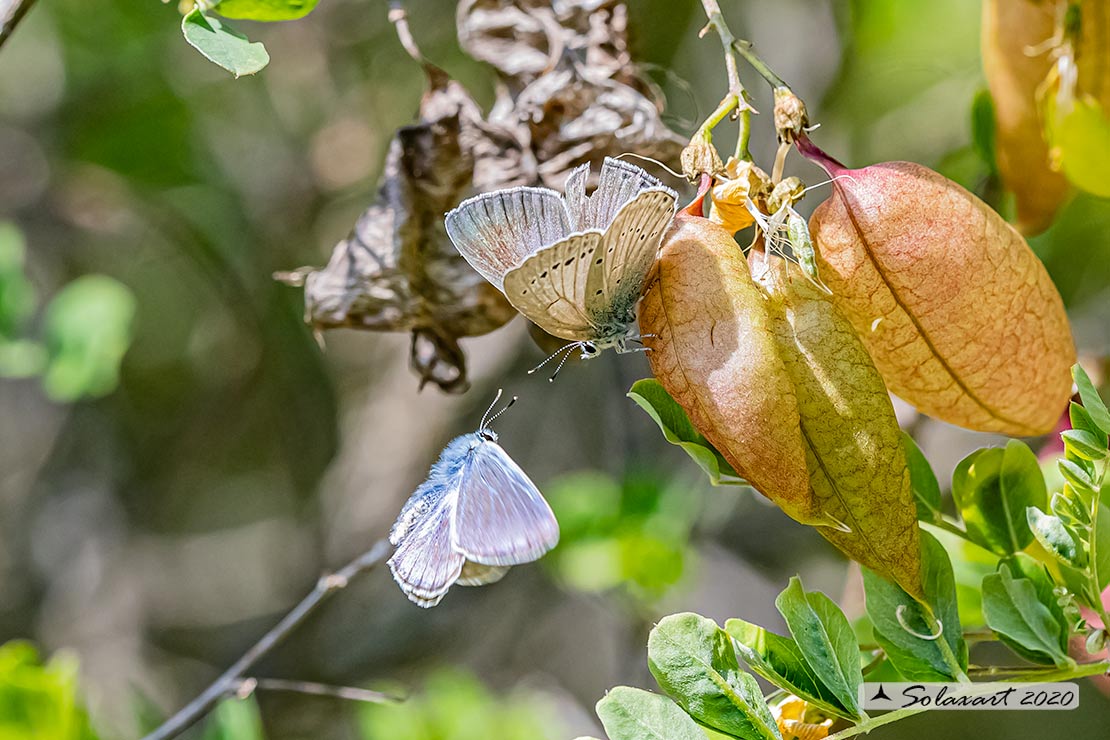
[(573, 265), (476, 515)]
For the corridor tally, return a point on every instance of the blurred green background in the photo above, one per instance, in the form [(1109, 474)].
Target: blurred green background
[(151, 532)]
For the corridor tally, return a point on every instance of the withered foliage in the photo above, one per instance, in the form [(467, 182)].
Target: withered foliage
[(568, 94)]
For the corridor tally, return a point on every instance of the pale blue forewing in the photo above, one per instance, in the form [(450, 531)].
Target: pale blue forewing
[(575, 266), (495, 232), (500, 517), (617, 185), (424, 564), (476, 515)]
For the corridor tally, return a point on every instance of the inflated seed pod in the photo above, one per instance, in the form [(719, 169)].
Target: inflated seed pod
[(712, 348), (960, 316), (854, 453)]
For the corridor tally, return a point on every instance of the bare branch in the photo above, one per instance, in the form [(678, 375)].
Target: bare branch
[(248, 686), (231, 680)]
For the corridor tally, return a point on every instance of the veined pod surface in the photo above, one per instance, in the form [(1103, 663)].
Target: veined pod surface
[(960, 316), (1010, 28), (712, 348), (857, 464)]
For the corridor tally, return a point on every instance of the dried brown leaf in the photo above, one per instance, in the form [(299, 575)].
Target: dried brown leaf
[(398, 270)]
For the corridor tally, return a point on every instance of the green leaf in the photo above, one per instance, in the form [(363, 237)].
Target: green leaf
[(1024, 566), (779, 660), (1052, 535), (992, 489), (17, 295), (1076, 475), (223, 45), (983, 128), (266, 10), (693, 660), (1084, 444), (650, 395), (826, 640), (1081, 419), (916, 658), (1102, 547), (1092, 402), (926, 489), (634, 714), (40, 701), (1013, 610), (234, 719), (87, 329)]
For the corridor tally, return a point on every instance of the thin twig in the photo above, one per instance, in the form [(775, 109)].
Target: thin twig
[(737, 94), (231, 680), (11, 13), (399, 17), (248, 686), (747, 50)]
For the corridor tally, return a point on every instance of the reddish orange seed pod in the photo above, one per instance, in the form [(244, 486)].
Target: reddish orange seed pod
[(713, 350)]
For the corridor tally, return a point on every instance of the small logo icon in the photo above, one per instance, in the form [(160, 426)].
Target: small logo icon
[(880, 694)]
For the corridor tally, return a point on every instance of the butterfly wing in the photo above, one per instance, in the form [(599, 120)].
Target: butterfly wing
[(618, 184), (550, 288), (628, 250), (424, 563), (476, 574), (501, 517), (496, 232)]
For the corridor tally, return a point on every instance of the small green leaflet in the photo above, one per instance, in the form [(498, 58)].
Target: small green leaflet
[(17, 294), (1053, 536), (826, 640), (223, 45), (779, 660), (652, 397), (992, 489), (693, 660), (86, 331), (916, 658), (982, 128), (1022, 566), (926, 489), (634, 714), (266, 10), (1092, 402), (1081, 420), (1013, 610)]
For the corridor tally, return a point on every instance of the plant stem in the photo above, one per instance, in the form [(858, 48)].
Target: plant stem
[(873, 722), (11, 13), (747, 50), (728, 41), (726, 106), (736, 92), (232, 679), (942, 644), (1041, 673)]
